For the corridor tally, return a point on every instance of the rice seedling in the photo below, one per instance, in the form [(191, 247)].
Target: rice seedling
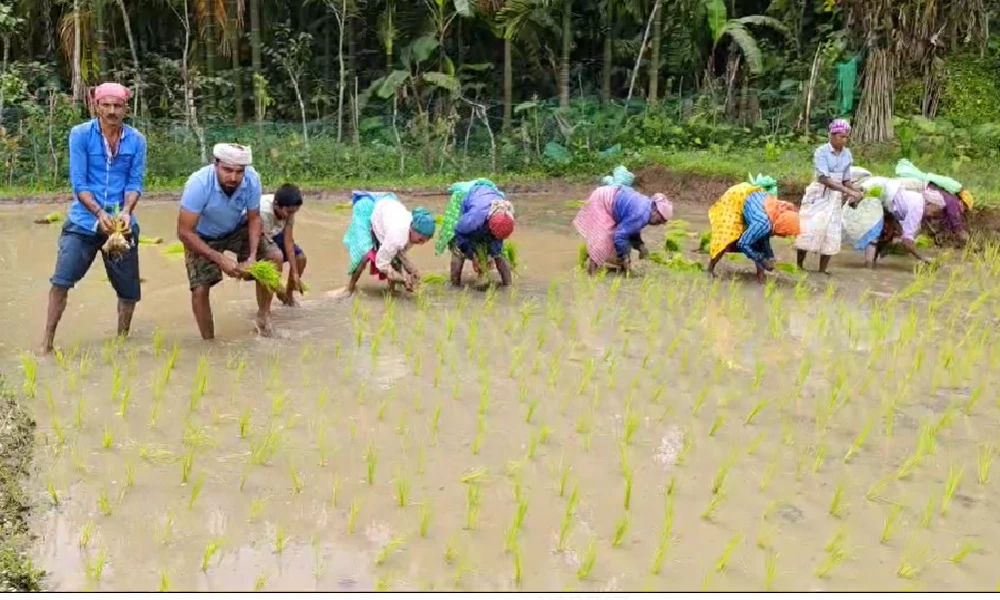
[(352, 515), (859, 441), (628, 487), (402, 491), (717, 424), (890, 523), (587, 564), (390, 547), (211, 549), (95, 568), (196, 491), (913, 561), (371, 460), (950, 487), (713, 505), (108, 439), (186, 465), (104, 503), (280, 539), (30, 367), (473, 505), (621, 528), (426, 515), (838, 505), (761, 405), (836, 554), (727, 552), (985, 454), (770, 569), (928, 514), (966, 548)]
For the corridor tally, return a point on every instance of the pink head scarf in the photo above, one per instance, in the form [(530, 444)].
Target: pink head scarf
[(111, 90), (840, 126), (663, 206)]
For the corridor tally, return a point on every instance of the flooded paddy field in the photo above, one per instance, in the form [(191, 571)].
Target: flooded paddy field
[(663, 432)]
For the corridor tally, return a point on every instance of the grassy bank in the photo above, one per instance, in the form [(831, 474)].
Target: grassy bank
[(792, 167), (17, 573)]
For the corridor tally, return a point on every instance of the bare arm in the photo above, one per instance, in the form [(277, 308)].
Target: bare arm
[(293, 265), (843, 188), (355, 276), (255, 229), (911, 248), (186, 222)]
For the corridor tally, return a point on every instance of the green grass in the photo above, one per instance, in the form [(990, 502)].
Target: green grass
[(791, 167)]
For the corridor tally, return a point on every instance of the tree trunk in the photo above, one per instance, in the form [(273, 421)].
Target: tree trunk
[(508, 83), (190, 110), (567, 48), (77, 74), (137, 81), (102, 48), (255, 42), (210, 17), (654, 60), (235, 37), (642, 48), (342, 21), (874, 116), (608, 59)]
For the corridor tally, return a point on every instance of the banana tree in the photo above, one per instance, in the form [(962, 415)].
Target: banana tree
[(413, 82), (721, 28), (519, 13)]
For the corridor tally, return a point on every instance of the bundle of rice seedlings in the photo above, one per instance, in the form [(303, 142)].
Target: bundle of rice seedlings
[(52, 217), (434, 278), (705, 244), (924, 241), (152, 241), (678, 262), (438, 219), (672, 243), (174, 248), (119, 241), (875, 192), (342, 206), (510, 253), (787, 267), (582, 255), (574, 203), (266, 274)]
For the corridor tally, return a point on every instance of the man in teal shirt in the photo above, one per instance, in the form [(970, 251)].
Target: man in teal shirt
[(107, 165)]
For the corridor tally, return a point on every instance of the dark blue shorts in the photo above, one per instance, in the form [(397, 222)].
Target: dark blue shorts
[(77, 250), (279, 241)]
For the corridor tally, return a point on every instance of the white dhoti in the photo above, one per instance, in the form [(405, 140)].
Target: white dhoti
[(821, 219)]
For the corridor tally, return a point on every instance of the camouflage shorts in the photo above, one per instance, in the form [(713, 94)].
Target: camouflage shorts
[(202, 272)]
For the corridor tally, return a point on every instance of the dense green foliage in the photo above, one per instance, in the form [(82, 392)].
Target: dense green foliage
[(372, 90)]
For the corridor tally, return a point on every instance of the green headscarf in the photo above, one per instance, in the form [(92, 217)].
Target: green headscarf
[(423, 222), (767, 182)]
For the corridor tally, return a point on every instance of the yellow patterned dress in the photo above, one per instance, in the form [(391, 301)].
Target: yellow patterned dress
[(726, 217)]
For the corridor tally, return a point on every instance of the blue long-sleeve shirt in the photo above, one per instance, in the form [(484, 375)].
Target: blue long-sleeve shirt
[(93, 169), (755, 242), (472, 227), (631, 211)]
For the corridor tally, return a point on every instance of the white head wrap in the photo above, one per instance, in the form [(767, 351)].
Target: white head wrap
[(233, 154)]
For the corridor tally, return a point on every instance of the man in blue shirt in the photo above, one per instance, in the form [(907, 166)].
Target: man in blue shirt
[(107, 164), (220, 211)]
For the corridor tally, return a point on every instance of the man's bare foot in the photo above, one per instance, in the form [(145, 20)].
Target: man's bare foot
[(264, 327)]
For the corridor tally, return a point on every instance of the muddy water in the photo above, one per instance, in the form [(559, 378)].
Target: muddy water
[(656, 433)]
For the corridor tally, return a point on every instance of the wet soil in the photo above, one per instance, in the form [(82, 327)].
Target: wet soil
[(664, 432)]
